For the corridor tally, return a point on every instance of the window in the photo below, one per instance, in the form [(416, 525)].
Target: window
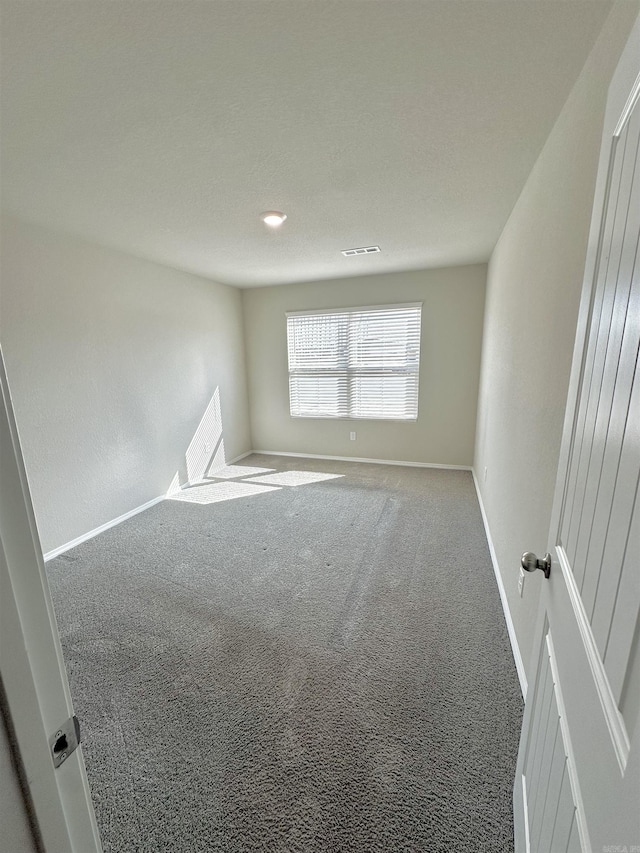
[(355, 363)]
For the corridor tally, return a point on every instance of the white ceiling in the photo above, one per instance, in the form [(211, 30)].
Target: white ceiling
[(165, 128)]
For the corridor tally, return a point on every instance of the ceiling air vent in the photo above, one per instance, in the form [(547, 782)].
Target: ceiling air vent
[(367, 250)]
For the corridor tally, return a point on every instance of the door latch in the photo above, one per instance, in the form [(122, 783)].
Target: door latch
[(65, 740)]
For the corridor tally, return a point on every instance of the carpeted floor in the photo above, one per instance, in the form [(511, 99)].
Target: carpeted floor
[(313, 667)]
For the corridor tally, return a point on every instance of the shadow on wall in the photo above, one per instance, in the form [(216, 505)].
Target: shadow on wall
[(206, 478)]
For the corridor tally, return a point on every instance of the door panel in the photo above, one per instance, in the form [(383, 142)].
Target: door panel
[(608, 509), (578, 780), (602, 507), (603, 363), (549, 779), (623, 154)]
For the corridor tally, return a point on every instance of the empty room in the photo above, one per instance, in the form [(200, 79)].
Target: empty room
[(320, 436)]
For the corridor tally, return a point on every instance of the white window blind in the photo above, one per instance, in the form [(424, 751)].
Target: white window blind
[(356, 363)]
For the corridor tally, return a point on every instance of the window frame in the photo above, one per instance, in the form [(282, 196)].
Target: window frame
[(349, 372)]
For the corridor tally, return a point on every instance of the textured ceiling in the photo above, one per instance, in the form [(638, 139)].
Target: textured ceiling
[(165, 129)]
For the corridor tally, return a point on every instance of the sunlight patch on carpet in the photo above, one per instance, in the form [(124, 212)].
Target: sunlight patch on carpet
[(230, 472), (295, 478), (216, 492)]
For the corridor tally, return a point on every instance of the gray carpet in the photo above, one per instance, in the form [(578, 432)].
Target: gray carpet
[(322, 667)]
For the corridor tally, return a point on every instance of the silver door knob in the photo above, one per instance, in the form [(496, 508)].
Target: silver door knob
[(530, 563)]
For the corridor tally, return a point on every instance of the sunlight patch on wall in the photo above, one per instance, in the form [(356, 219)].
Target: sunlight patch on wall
[(174, 486), (295, 478), (218, 461), (212, 493), (206, 450), (205, 455)]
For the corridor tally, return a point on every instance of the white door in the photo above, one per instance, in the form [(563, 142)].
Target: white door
[(577, 783), (31, 664)]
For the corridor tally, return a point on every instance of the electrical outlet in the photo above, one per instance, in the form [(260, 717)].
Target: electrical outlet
[(352, 436), (485, 473), (521, 583)]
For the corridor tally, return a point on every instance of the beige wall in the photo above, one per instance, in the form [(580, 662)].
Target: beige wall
[(533, 292), (111, 361), (453, 301)]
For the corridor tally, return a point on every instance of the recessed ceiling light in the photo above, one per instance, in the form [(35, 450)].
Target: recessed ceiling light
[(273, 218)]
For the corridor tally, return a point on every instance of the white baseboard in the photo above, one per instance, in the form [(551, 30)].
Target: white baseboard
[(515, 648), (80, 539), (363, 459), (238, 458)]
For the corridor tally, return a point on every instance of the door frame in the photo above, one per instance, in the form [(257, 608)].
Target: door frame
[(31, 662)]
